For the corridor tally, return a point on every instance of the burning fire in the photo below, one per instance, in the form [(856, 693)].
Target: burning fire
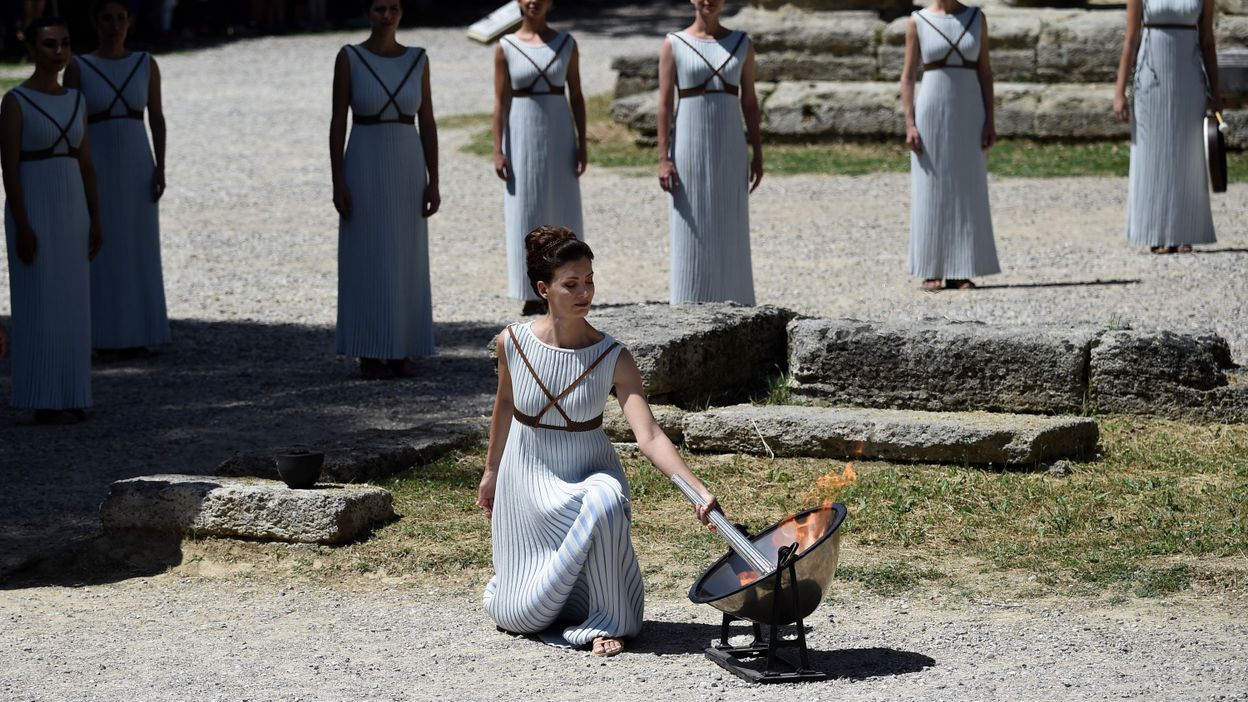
[(808, 528)]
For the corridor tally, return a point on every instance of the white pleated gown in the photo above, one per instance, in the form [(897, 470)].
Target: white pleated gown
[(561, 524), (385, 306), (51, 325), (950, 220), (540, 144), (127, 286), (1168, 194), (710, 210)]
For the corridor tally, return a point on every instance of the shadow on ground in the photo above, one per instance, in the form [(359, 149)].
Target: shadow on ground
[(221, 388), (665, 638)]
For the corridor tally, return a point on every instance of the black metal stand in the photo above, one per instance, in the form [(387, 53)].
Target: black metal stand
[(779, 668)]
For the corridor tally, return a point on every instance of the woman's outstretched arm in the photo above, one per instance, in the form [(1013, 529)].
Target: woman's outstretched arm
[(1126, 62), (909, 75), (653, 443)]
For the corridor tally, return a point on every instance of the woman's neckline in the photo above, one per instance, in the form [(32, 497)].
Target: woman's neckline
[(401, 54), (63, 93), (711, 40), (965, 9), (97, 57), (529, 327), (540, 44)]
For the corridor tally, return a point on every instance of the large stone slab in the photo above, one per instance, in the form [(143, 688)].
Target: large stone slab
[(935, 365), (1165, 374), (894, 435), (695, 354), (370, 455), (247, 508)]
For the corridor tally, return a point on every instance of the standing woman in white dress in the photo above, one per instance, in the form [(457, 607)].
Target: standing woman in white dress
[(127, 288), (539, 137), (706, 90), (553, 487), (52, 227), (949, 130), (1169, 58), (385, 188)]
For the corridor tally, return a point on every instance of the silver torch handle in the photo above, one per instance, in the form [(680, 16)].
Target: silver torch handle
[(738, 541)]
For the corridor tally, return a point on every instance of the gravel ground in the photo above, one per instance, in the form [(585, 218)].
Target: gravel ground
[(249, 249), (140, 640)]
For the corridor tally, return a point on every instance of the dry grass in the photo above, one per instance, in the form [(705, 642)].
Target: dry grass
[(1162, 511)]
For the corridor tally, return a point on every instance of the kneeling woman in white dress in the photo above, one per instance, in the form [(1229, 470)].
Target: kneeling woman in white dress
[(121, 87), (51, 222), (385, 188), (949, 130), (553, 487)]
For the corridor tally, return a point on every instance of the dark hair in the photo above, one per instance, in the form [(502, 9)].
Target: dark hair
[(98, 6), (40, 23), (547, 248)]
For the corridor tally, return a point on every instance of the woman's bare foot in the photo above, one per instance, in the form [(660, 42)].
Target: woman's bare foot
[(959, 284), (1164, 249), (931, 284), (1183, 248), (607, 646)]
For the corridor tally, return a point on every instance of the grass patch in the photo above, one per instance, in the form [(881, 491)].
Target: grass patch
[(612, 145), (7, 84), (1165, 509)]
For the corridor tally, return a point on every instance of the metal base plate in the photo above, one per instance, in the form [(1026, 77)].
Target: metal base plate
[(731, 658)]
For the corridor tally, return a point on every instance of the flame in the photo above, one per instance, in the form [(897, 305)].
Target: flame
[(830, 485), (747, 576)]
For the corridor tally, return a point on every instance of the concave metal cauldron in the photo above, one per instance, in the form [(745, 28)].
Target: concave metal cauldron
[(720, 586)]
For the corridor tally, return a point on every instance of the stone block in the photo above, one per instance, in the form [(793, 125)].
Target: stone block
[(1232, 7), (671, 420), (814, 33), (825, 109), (887, 8), (637, 73), (246, 508), (1058, 111), (694, 354), (788, 65), (1164, 374), (1083, 48), (370, 455), (934, 365), (893, 435)]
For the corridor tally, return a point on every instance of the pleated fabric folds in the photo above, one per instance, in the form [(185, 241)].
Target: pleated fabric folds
[(385, 305), (127, 285), (50, 329), (563, 553), (1168, 194), (950, 220), (710, 210), (540, 144)]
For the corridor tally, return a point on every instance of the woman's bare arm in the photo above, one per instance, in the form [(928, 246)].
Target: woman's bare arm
[(1126, 62), (429, 142), (653, 443), (577, 101), (1209, 52), (502, 110), (753, 117), (986, 89), (338, 132), (909, 75), (156, 119), (669, 179)]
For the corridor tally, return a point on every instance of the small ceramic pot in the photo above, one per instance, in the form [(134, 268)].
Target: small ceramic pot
[(300, 468)]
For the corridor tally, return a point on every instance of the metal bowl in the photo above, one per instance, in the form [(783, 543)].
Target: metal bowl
[(721, 585), (299, 467)]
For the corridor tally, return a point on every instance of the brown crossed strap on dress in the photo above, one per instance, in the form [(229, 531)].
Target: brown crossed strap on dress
[(531, 89), (715, 72), (392, 94), (1167, 25), (535, 421), (953, 45), (50, 152), (118, 94)]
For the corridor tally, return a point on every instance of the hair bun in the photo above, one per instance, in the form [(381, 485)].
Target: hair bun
[(544, 239)]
